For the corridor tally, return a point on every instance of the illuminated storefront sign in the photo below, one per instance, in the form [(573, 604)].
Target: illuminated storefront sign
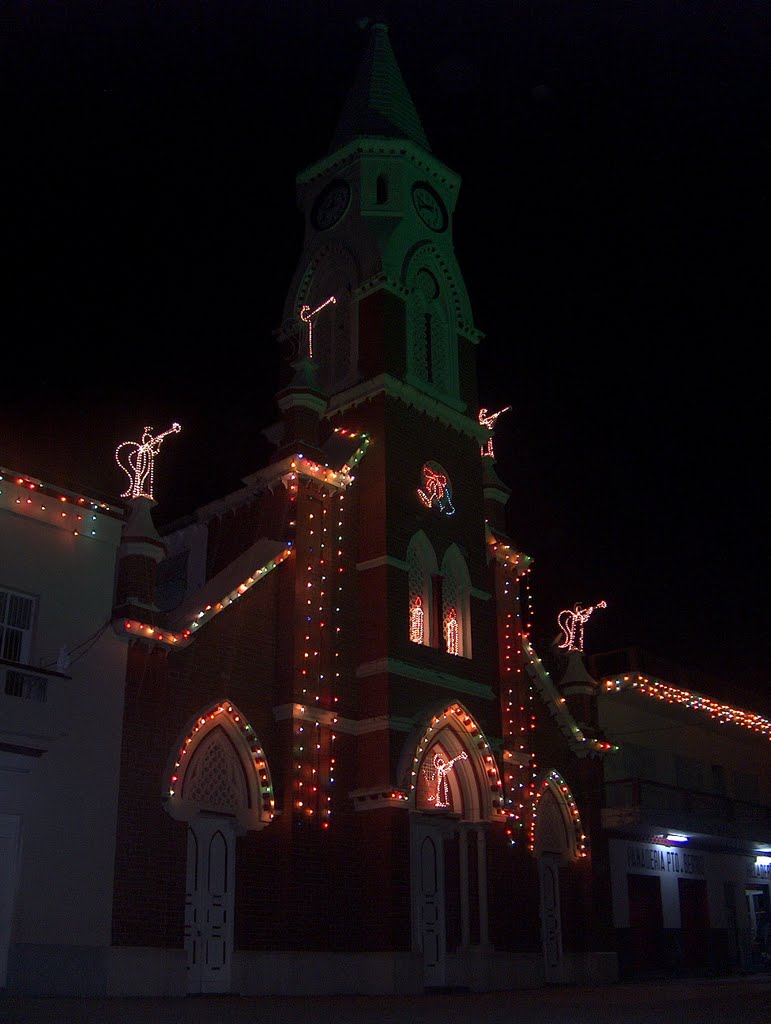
[(757, 869), (662, 860)]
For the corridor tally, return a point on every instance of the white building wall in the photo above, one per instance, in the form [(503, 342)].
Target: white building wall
[(65, 799)]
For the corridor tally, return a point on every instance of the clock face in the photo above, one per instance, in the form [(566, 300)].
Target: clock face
[(429, 206), (330, 205)]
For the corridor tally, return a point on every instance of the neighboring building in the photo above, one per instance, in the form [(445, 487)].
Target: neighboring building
[(62, 670), (341, 766), (688, 812)]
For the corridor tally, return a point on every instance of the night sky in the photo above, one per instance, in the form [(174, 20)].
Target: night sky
[(613, 158)]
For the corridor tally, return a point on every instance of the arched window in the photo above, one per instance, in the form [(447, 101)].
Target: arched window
[(432, 353), (334, 330), (421, 568), (456, 614)]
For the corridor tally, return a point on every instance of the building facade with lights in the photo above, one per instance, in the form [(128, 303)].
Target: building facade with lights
[(687, 809), (339, 764), (62, 672)]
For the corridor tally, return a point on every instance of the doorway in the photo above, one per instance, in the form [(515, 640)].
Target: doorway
[(551, 921), (209, 904)]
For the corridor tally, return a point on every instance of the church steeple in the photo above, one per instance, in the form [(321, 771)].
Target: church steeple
[(378, 211), (379, 103)]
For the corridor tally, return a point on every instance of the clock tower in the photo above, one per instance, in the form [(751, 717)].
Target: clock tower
[(394, 358), (378, 211)]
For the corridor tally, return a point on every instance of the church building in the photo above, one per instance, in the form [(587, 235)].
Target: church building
[(327, 768)]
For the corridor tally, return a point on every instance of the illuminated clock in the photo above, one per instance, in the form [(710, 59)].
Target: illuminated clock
[(429, 206), (331, 203)]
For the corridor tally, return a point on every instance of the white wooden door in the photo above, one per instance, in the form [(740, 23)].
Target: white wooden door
[(551, 925), (9, 866), (209, 905), (428, 903)]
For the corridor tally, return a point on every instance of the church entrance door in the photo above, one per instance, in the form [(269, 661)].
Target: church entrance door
[(209, 904), (551, 927), (428, 899)]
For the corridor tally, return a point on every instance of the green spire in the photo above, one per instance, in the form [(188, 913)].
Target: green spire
[(379, 104)]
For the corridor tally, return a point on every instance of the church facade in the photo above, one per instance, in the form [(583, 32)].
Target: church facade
[(326, 752)]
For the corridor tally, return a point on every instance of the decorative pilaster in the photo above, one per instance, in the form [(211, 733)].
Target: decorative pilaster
[(140, 552)]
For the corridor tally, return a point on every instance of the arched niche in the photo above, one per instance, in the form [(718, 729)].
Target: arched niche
[(450, 768), (556, 827), (333, 271), (456, 591), (218, 766), (421, 569)]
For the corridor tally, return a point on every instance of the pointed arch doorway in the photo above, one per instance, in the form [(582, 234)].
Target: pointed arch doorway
[(557, 840), (218, 782), (209, 904), (454, 792)]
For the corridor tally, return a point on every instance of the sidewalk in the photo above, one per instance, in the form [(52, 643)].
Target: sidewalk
[(689, 1001)]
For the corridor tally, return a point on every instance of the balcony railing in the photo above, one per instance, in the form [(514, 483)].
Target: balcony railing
[(23, 684), (646, 802), (35, 706)]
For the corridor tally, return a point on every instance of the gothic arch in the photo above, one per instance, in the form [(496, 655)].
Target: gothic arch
[(473, 785), (333, 270), (456, 593), (218, 766), (433, 319), (428, 254), (421, 569), (555, 826)]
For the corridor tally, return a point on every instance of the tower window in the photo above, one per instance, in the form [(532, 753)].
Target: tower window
[(455, 605), (422, 570), (432, 347), (381, 190)]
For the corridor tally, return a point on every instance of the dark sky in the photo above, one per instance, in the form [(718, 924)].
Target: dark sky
[(614, 160)]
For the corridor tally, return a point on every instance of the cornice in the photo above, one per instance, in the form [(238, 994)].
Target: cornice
[(435, 677), (391, 387)]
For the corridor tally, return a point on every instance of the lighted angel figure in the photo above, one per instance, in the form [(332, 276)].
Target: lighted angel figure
[(437, 770), (140, 458), (572, 621), (487, 419), (307, 314), (436, 491)]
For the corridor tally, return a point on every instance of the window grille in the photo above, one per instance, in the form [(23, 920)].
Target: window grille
[(15, 626), (26, 686)]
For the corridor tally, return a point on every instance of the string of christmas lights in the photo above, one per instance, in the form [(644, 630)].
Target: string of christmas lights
[(316, 760), (722, 713), (555, 781), (180, 638), (515, 729), (255, 749), (34, 495), (417, 617), (550, 694)]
